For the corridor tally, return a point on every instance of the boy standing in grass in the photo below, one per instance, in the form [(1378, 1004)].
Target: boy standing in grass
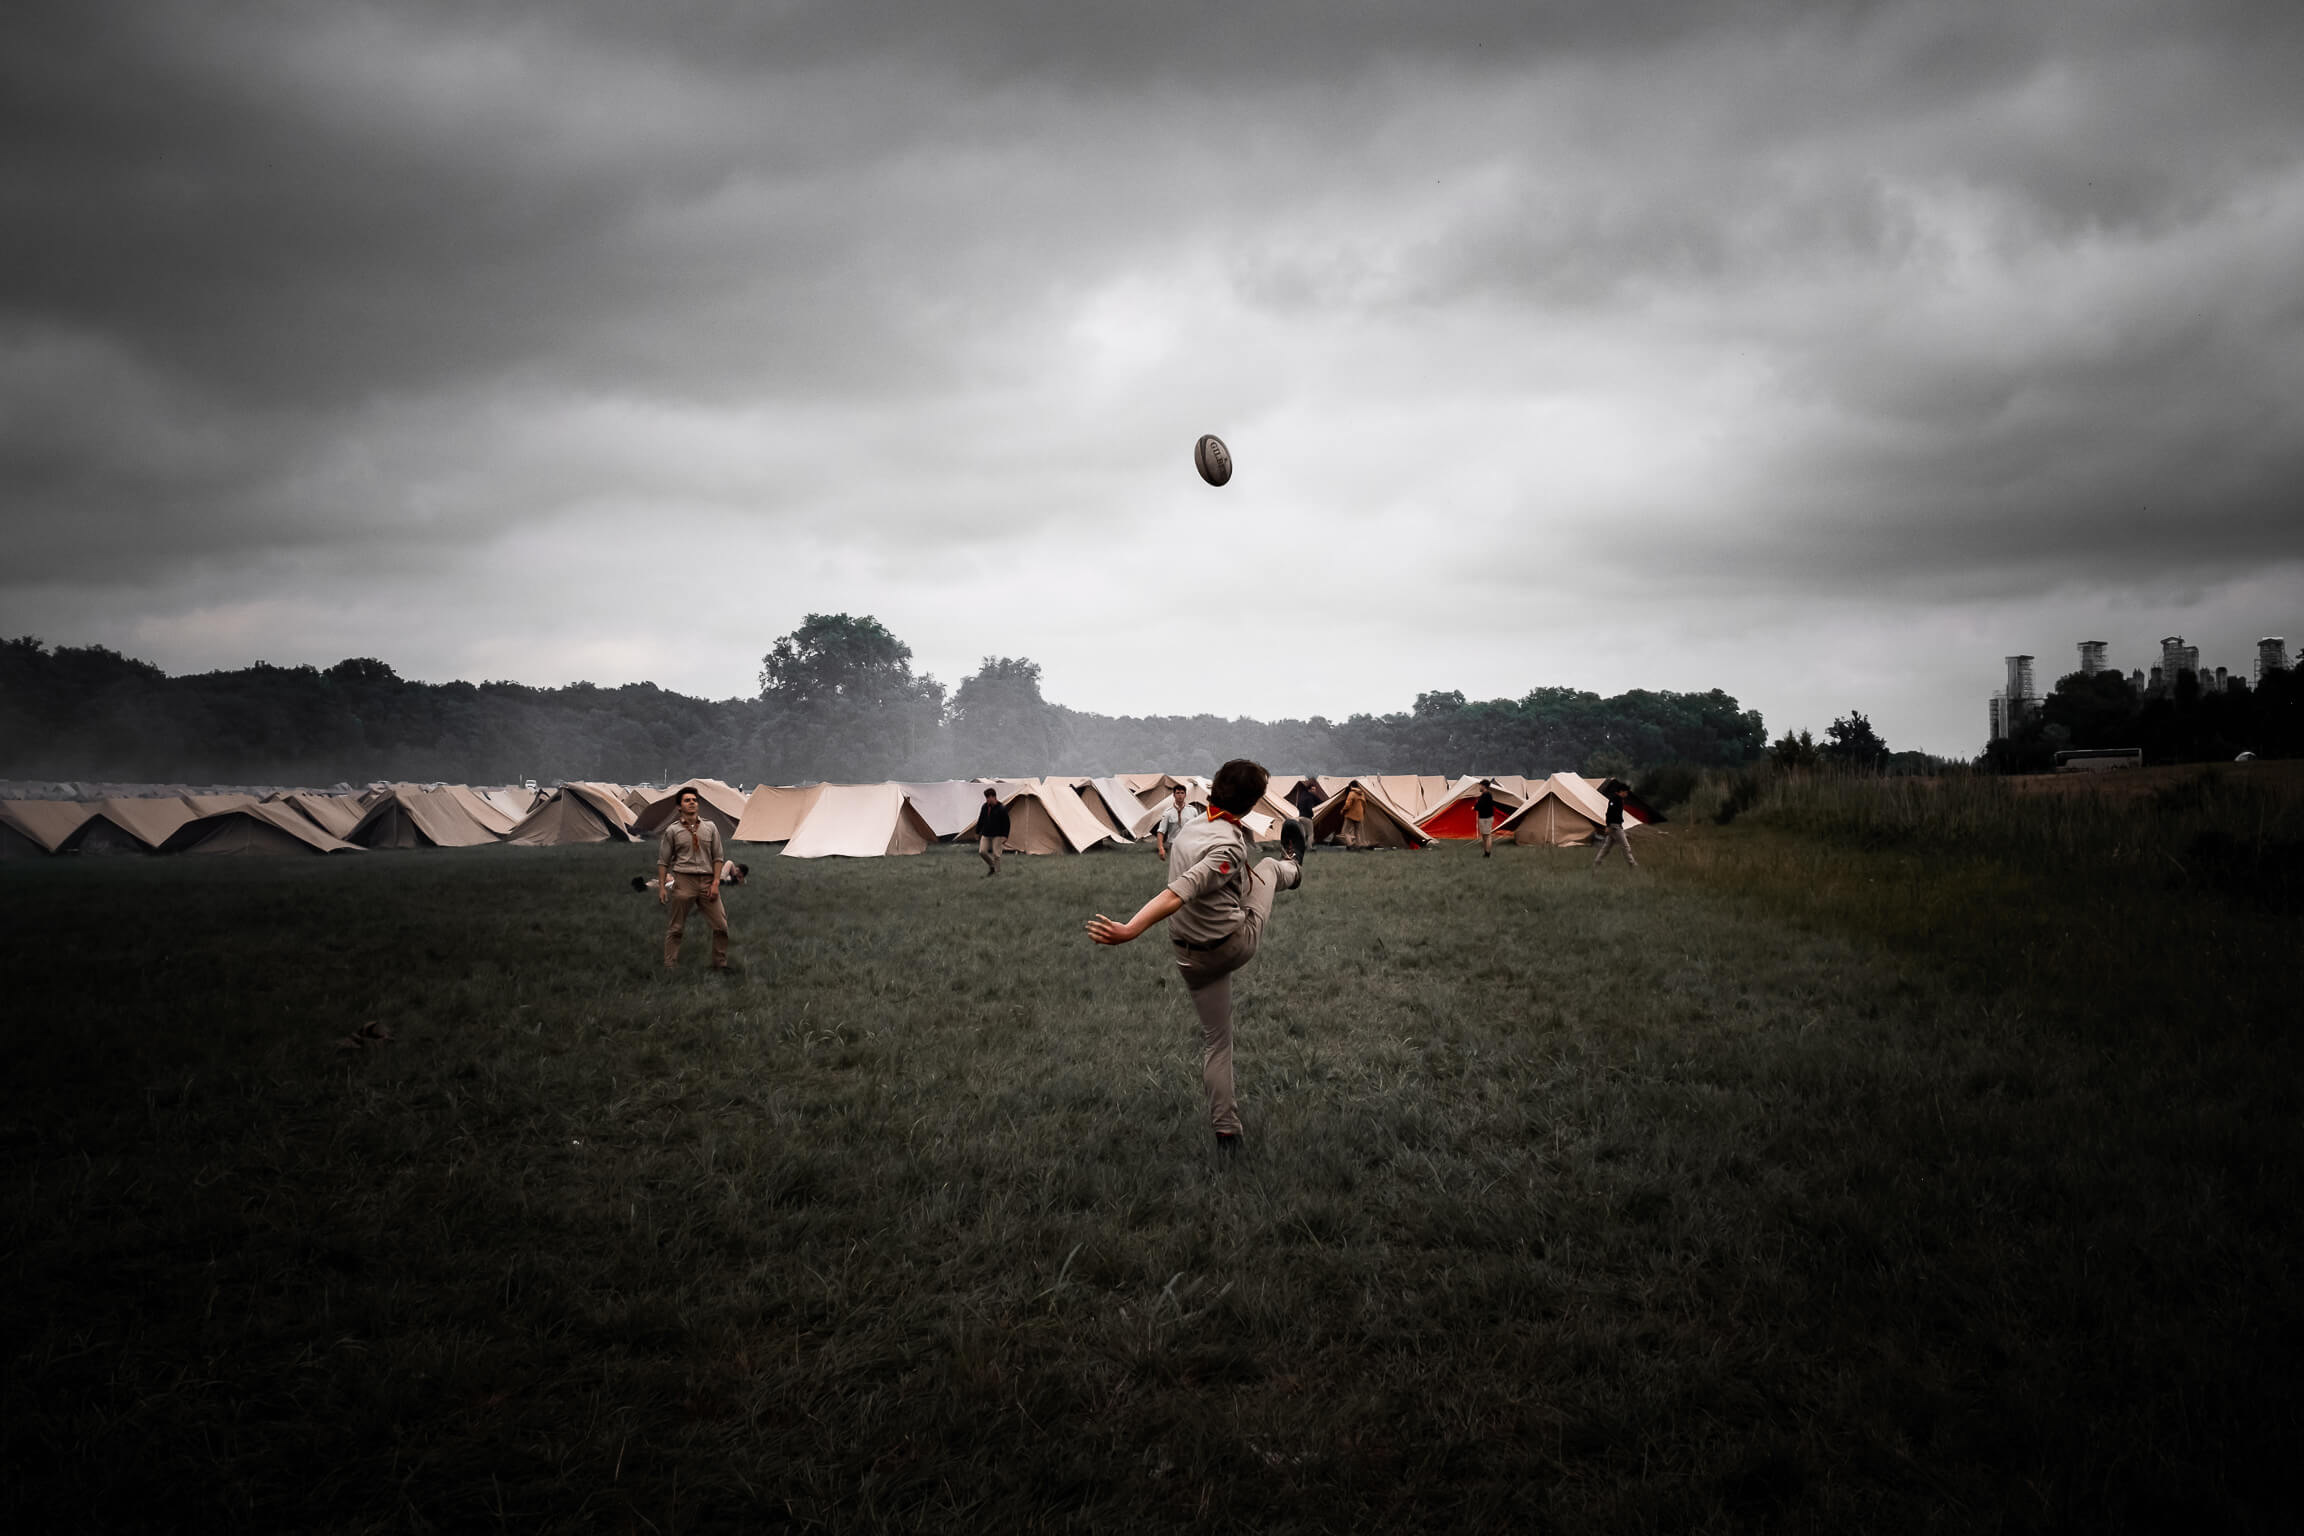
[(688, 865), (991, 832), (1484, 817), (1170, 823), (1613, 837), (1216, 906)]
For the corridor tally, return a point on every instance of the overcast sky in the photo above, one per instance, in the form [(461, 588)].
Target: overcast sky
[(1821, 352)]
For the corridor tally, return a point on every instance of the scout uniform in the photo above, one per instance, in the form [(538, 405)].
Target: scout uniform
[(690, 853), (1215, 932)]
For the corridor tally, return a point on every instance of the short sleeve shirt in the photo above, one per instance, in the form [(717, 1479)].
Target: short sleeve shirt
[(1171, 821), (1208, 869)]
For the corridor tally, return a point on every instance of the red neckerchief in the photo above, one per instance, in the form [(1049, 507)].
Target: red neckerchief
[(1216, 813)]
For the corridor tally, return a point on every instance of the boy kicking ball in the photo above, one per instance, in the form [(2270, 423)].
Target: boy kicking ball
[(1216, 906)]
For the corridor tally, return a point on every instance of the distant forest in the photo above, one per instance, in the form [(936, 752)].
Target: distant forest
[(838, 700)]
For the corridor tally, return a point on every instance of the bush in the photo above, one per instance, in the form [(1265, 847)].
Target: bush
[(1668, 785)]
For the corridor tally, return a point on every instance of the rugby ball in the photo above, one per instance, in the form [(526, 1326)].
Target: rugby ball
[(1212, 459)]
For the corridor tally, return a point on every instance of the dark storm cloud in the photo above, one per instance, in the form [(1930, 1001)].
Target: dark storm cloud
[(1934, 302)]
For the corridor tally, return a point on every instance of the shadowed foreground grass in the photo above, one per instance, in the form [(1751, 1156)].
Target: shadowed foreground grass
[(1776, 1184)]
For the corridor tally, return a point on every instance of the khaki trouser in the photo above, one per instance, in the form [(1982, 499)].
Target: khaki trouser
[(693, 893), (1351, 831), (989, 850), (1614, 838), (1208, 977), (1487, 826)]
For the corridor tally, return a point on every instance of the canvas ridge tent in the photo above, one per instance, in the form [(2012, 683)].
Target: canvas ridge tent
[(1561, 812), (948, 805), (1049, 819), (253, 829), (775, 812), (860, 821), (574, 813), (514, 800), (335, 815), (31, 828), (1454, 816), (722, 803), (480, 808), (406, 816), (1384, 825), (129, 824)]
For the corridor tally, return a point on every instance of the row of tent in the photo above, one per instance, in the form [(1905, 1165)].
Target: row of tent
[(1046, 815)]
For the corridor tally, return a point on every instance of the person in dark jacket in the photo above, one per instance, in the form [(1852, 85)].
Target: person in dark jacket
[(1615, 790), (1484, 814), (991, 832)]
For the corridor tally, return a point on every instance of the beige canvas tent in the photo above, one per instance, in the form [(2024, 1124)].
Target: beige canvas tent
[(1148, 788), (130, 824), (949, 806), (406, 816), (860, 821), (775, 812), (574, 813), (210, 805), (253, 829), (514, 800), (335, 815), (1384, 824), (36, 828), (1100, 805), (1405, 791), (1051, 819), (480, 808), (1561, 811), (722, 803)]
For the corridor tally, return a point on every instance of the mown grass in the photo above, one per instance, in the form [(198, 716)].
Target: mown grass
[(1786, 1182)]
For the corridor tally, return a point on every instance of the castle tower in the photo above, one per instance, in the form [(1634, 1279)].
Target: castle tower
[(2093, 657)]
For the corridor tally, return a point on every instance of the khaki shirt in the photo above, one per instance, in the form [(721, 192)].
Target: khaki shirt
[(684, 853), (1208, 868)]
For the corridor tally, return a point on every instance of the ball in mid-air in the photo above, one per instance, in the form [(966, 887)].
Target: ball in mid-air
[(1213, 459)]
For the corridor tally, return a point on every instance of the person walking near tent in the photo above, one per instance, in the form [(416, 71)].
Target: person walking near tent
[(689, 859), (1355, 812), (1216, 907), (1484, 818), (991, 832), (1612, 836), (1172, 818)]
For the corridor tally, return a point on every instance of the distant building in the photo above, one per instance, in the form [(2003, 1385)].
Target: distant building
[(2001, 725), (2271, 656), (2177, 658), (2223, 681), (2093, 657)]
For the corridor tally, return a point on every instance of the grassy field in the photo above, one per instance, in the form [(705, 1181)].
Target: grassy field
[(1817, 1176)]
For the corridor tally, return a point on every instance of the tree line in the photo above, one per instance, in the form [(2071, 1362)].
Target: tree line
[(838, 699)]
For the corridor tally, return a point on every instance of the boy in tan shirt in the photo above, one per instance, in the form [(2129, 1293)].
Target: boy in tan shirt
[(689, 861), (1216, 906)]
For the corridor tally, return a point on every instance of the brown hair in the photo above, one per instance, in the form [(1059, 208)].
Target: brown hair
[(1237, 786)]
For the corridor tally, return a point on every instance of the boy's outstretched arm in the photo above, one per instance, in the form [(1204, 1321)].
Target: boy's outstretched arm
[(1105, 931)]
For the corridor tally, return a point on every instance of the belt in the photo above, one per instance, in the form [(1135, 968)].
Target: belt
[(1195, 944)]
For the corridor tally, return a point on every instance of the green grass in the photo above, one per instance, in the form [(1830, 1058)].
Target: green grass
[(1799, 1180)]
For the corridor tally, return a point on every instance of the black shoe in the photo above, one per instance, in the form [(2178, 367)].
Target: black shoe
[(1227, 1141), (1295, 839)]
